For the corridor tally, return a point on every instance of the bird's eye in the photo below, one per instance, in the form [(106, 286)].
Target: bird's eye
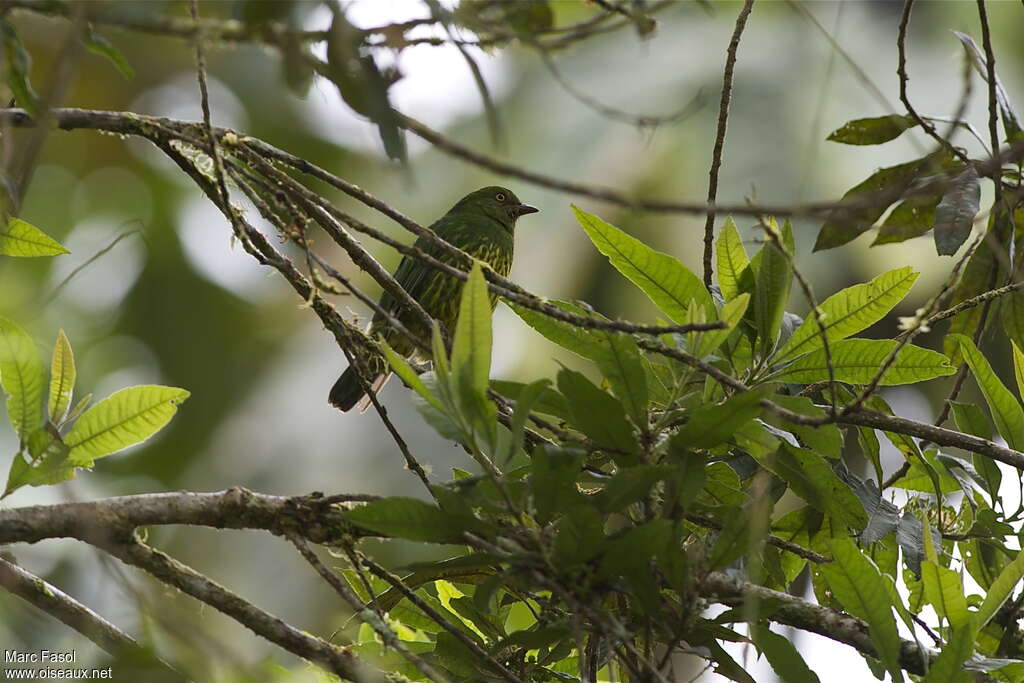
[(500, 196)]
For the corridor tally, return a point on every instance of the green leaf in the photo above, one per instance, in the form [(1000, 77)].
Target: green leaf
[(62, 378), (857, 361), (412, 519), (872, 131), (858, 585), (1011, 311), (52, 469), (774, 277), (26, 240), (471, 357), (549, 401), (21, 375), (553, 476), (845, 224), (123, 419), (825, 439), (971, 419), (850, 310), (911, 218), (710, 425), (812, 479), (668, 283), (98, 45), (409, 376), (732, 315), (595, 413), (784, 658), (1001, 589), (18, 64), (525, 402), (731, 259), (471, 347), (630, 485), (954, 216), (622, 365), (1006, 410), (585, 343), (948, 666), (944, 591)]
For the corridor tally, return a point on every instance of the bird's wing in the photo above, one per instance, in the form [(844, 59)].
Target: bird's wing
[(412, 274)]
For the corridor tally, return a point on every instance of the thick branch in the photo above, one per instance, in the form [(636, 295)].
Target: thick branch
[(235, 508)]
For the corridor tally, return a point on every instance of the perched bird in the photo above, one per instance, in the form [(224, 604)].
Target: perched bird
[(482, 224)]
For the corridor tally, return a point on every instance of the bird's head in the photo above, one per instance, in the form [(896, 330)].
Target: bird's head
[(498, 203)]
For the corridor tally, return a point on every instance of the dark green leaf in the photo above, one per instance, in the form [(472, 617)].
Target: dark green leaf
[(98, 45), (784, 658), (596, 413), (825, 439), (471, 359), (586, 343), (411, 519), (553, 480), (622, 366), (17, 66), (872, 131), (911, 218), (954, 216), (774, 277), (549, 401), (630, 485), (710, 425)]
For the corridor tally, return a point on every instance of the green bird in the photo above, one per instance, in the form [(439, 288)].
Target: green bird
[(482, 224)]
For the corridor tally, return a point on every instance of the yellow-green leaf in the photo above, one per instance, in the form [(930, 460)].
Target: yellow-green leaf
[(857, 361), (731, 259), (1001, 589), (123, 419), (62, 378), (21, 376), (668, 283), (19, 238), (851, 310), (471, 347), (1006, 410)]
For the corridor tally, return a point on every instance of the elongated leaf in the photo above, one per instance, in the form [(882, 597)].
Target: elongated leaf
[(412, 519), (774, 278), (980, 274), (1011, 312), (549, 401), (944, 591), (409, 376), (845, 224), (732, 314), (123, 419), (948, 666), (19, 238), (731, 259), (525, 402), (62, 378), (825, 439), (1001, 589), (811, 477), (1006, 410), (471, 347), (710, 425), (872, 131), (911, 218), (668, 283), (1011, 124), (857, 361), (622, 366), (98, 45), (596, 413), (783, 656), (630, 485), (585, 343), (851, 310), (858, 585), (21, 376), (16, 70), (954, 216)]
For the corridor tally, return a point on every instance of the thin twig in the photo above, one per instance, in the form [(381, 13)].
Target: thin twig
[(723, 121)]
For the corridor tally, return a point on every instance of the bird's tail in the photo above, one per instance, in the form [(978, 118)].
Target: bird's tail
[(348, 391)]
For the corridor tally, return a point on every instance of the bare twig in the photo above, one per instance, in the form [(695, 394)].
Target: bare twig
[(723, 120)]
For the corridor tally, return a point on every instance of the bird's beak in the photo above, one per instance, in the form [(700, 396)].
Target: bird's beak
[(523, 209)]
